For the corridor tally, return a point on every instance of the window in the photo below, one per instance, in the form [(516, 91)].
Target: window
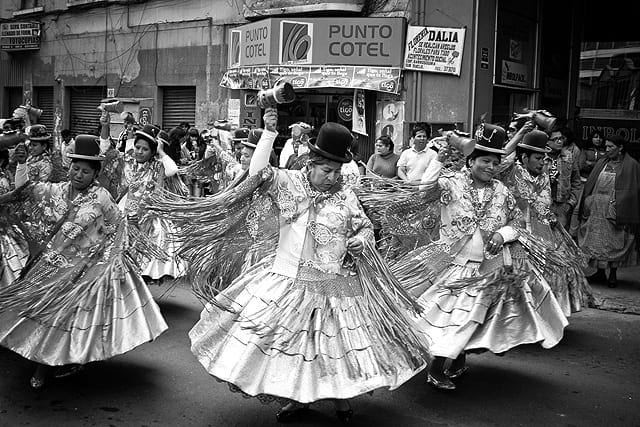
[(28, 7)]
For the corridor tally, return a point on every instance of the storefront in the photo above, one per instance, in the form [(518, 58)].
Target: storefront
[(340, 68)]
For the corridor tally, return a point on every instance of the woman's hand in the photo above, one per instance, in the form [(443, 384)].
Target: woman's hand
[(20, 153), (495, 244), (355, 246), (270, 119)]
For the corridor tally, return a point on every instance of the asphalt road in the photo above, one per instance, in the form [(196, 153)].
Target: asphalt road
[(592, 378)]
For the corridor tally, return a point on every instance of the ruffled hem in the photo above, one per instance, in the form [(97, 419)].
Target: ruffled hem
[(159, 232), (13, 257), (286, 340), (488, 316), (118, 317)]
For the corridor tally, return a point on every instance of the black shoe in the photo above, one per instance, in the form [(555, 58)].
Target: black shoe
[(288, 415), (345, 416), (443, 384), (457, 373)]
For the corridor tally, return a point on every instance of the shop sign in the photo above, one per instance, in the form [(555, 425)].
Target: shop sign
[(434, 49), (345, 109), (20, 36), (308, 41), (250, 44), (381, 79), (514, 73), (627, 129)]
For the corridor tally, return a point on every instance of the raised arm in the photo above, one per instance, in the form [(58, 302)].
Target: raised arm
[(260, 159)]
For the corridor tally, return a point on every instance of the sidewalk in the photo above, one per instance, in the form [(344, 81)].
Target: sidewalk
[(623, 299)]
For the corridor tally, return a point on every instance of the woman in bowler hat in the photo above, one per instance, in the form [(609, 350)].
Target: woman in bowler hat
[(146, 168), (318, 315), (79, 299), (472, 300), (524, 173)]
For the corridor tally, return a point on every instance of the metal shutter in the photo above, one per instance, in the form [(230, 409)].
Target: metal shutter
[(85, 115), (44, 101), (178, 105)]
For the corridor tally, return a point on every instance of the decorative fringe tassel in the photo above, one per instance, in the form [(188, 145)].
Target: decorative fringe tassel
[(211, 234)]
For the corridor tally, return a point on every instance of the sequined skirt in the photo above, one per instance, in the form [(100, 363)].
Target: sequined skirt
[(14, 253), (302, 339), (117, 315), (488, 316)]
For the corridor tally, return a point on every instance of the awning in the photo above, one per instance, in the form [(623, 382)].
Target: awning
[(381, 79)]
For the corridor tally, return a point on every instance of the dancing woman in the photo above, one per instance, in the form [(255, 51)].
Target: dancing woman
[(39, 164), (145, 171), (529, 184), (80, 298), (319, 316), (473, 300)]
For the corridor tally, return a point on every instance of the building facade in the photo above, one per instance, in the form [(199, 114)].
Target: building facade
[(377, 66)]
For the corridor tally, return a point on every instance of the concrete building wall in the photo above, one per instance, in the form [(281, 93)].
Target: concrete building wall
[(442, 98), (133, 49)]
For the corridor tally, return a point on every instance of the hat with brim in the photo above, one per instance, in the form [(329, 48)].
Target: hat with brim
[(38, 133), (240, 134), (252, 138), (535, 140), (149, 133), (490, 138), (87, 147), (333, 143)]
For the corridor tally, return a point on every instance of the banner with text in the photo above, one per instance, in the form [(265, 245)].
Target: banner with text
[(434, 49), (381, 79)]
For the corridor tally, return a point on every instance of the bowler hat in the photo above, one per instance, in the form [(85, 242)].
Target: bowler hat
[(490, 138), (87, 147), (38, 133), (536, 140), (253, 138), (333, 142), (240, 134), (149, 133)]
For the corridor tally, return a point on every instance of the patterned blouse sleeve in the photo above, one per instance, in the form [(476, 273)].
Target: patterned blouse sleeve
[(361, 225), (111, 214)]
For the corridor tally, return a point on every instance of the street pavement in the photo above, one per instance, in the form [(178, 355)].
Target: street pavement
[(625, 298), (590, 379)]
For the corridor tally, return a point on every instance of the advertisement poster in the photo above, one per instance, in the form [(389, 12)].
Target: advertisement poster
[(389, 121), (381, 79), (434, 49), (233, 111), (358, 123)]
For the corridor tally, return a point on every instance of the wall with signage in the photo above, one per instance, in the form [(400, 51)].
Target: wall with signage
[(325, 41), (16, 36), (440, 92), (363, 53)]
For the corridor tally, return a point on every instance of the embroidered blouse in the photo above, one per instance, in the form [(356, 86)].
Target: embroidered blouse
[(39, 167), (469, 215)]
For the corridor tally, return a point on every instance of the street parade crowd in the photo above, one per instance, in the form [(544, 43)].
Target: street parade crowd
[(321, 278)]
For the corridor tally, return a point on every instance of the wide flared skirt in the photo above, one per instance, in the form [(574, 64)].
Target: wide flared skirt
[(117, 317), (297, 342), (568, 283), (159, 232), (488, 316), (14, 253)]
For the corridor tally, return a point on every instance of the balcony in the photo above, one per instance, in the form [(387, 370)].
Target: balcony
[(257, 9)]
